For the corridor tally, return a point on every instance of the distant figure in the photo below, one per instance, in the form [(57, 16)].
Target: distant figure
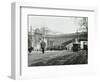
[(43, 45), (30, 49)]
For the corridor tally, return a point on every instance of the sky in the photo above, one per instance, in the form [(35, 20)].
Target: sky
[(55, 24)]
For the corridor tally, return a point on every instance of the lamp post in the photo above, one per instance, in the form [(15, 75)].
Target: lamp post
[(31, 35), (77, 36)]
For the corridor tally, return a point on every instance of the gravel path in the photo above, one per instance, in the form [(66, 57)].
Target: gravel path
[(37, 56)]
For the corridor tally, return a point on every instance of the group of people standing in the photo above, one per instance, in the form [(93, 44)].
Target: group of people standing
[(41, 46)]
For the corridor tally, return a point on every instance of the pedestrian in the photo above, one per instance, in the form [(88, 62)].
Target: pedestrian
[(43, 45)]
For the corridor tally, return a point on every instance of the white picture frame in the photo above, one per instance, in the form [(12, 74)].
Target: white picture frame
[(19, 68)]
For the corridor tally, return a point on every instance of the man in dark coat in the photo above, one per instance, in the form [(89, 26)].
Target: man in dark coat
[(42, 44)]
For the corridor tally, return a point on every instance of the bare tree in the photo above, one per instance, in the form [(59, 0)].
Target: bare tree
[(44, 30), (83, 23)]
